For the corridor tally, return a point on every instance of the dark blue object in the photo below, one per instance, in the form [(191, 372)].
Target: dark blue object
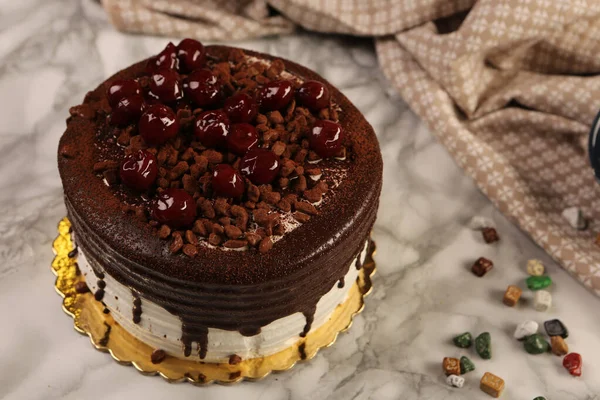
[(555, 327), (594, 146)]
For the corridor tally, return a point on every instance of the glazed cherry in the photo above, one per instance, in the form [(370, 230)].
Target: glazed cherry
[(165, 59), (127, 110), (241, 138), (260, 166), (139, 170), (165, 86), (313, 95), (275, 95), (191, 54), (122, 88), (240, 108), (227, 182), (325, 138), (158, 124), (212, 128), (203, 88), (174, 207)]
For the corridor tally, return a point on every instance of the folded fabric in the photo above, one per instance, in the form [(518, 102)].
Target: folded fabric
[(509, 87)]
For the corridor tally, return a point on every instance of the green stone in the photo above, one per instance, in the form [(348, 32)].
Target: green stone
[(483, 345), (540, 398), (463, 341), (466, 365), (538, 282), (536, 344)]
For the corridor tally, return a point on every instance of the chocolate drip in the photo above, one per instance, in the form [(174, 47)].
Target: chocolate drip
[(302, 351), (137, 307), (197, 334), (73, 252), (99, 295), (250, 330), (359, 263), (310, 317), (342, 282), (106, 337)]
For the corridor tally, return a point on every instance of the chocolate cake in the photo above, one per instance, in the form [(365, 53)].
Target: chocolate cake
[(221, 200)]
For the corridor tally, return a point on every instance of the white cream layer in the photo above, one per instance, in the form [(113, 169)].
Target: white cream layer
[(160, 329)]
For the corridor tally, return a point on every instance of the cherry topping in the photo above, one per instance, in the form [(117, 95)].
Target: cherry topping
[(275, 95), (313, 95), (139, 170), (212, 128), (242, 138), (164, 85), (165, 59), (158, 124), (174, 207), (326, 138), (227, 182), (127, 110), (260, 166), (191, 54), (122, 88), (202, 87), (240, 108)]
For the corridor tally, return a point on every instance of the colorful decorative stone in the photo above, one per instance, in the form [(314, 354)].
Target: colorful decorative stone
[(463, 340), (573, 363), (451, 366), (559, 346), (525, 329), (555, 327), (456, 381), (492, 384), (538, 282), (483, 345), (535, 268), (482, 266), (542, 300), (490, 235), (512, 295), (466, 365), (536, 344)]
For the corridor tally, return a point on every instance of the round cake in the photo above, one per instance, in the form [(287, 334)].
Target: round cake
[(221, 200)]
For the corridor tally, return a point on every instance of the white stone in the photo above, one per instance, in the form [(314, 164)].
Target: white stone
[(525, 329), (535, 268), (478, 222), (542, 300), (575, 218), (455, 380)]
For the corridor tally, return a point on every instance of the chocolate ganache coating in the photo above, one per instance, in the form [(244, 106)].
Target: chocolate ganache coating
[(231, 290)]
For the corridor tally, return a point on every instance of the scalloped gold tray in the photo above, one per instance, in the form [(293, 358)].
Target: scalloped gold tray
[(108, 336)]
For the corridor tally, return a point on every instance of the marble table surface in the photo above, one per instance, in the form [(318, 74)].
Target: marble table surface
[(52, 52)]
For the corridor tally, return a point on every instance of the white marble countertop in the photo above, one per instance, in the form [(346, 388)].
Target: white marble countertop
[(52, 52)]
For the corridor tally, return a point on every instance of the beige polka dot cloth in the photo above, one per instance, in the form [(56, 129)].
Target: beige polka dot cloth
[(510, 87)]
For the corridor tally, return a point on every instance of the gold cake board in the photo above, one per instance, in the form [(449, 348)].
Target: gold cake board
[(108, 336)]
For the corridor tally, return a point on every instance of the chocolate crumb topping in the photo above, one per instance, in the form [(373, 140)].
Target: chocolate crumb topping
[(158, 356), (234, 359)]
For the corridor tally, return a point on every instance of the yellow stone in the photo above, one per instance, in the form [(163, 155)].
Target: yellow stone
[(535, 268)]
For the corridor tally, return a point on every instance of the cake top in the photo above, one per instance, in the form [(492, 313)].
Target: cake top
[(216, 152), (221, 153)]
